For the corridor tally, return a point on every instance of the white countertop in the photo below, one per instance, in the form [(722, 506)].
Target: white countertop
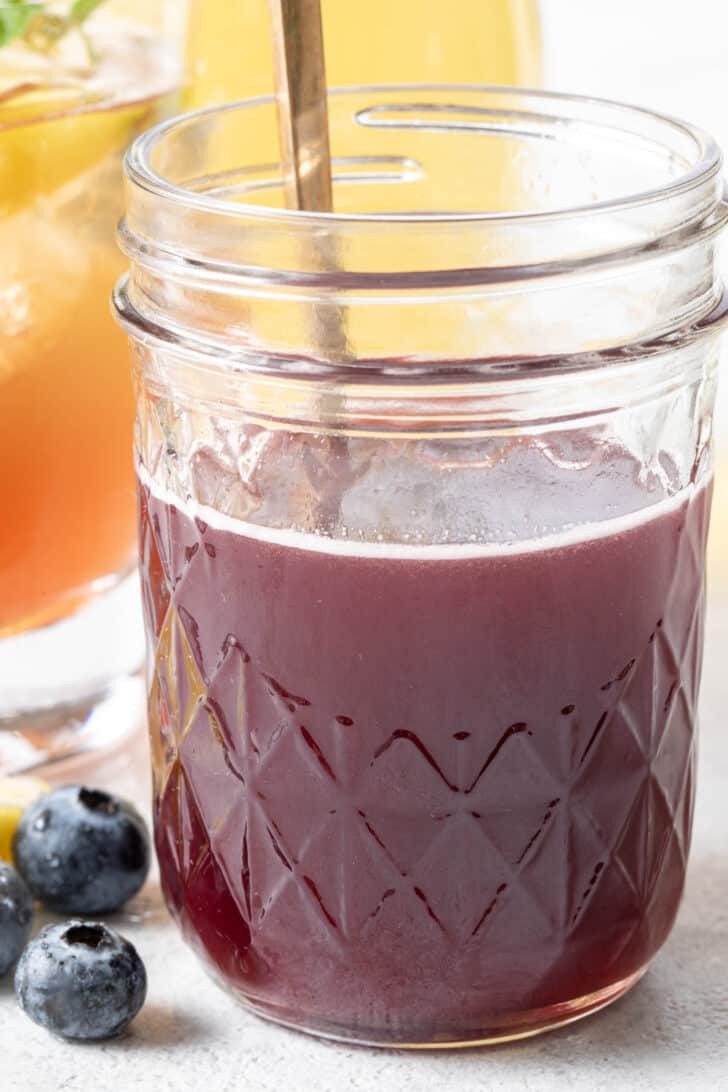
[(671, 1032)]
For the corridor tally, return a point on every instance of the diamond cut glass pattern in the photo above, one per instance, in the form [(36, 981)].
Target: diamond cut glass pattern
[(335, 809)]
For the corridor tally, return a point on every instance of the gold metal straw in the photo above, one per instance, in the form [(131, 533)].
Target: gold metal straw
[(303, 123), (300, 71)]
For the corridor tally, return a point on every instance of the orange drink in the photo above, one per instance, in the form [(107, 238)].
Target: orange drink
[(71, 98)]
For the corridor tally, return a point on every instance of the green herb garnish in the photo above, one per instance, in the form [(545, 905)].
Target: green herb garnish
[(81, 9), (39, 25), (15, 17)]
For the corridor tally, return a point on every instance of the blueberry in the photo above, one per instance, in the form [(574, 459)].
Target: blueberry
[(81, 851), (81, 980), (16, 915)]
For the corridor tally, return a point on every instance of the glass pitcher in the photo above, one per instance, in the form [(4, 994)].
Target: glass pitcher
[(484, 41)]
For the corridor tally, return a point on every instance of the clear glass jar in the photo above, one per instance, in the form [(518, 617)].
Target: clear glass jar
[(424, 493)]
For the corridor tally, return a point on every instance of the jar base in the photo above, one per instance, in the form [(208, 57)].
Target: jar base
[(510, 1029)]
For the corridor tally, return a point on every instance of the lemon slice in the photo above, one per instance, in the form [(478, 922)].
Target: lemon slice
[(16, 793), (65, 112), (47, 139)]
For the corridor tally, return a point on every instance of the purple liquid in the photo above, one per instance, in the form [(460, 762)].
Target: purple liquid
[(425, 795)]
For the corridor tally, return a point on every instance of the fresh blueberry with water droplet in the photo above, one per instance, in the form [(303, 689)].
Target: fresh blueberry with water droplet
[(16, 916), (82, 851), (81, 980)]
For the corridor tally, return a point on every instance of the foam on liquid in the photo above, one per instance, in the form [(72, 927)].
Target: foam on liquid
[(306, 540)]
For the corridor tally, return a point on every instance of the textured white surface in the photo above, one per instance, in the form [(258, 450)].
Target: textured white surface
[(670, 1033)]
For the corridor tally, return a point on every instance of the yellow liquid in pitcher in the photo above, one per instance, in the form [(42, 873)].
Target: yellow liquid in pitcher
[(380, 41), (377, 42)]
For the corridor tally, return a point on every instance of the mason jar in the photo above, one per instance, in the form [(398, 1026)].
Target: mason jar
[(424, 488)]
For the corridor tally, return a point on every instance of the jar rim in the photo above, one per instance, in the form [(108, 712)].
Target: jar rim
[(704, 167), (211, 269)]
